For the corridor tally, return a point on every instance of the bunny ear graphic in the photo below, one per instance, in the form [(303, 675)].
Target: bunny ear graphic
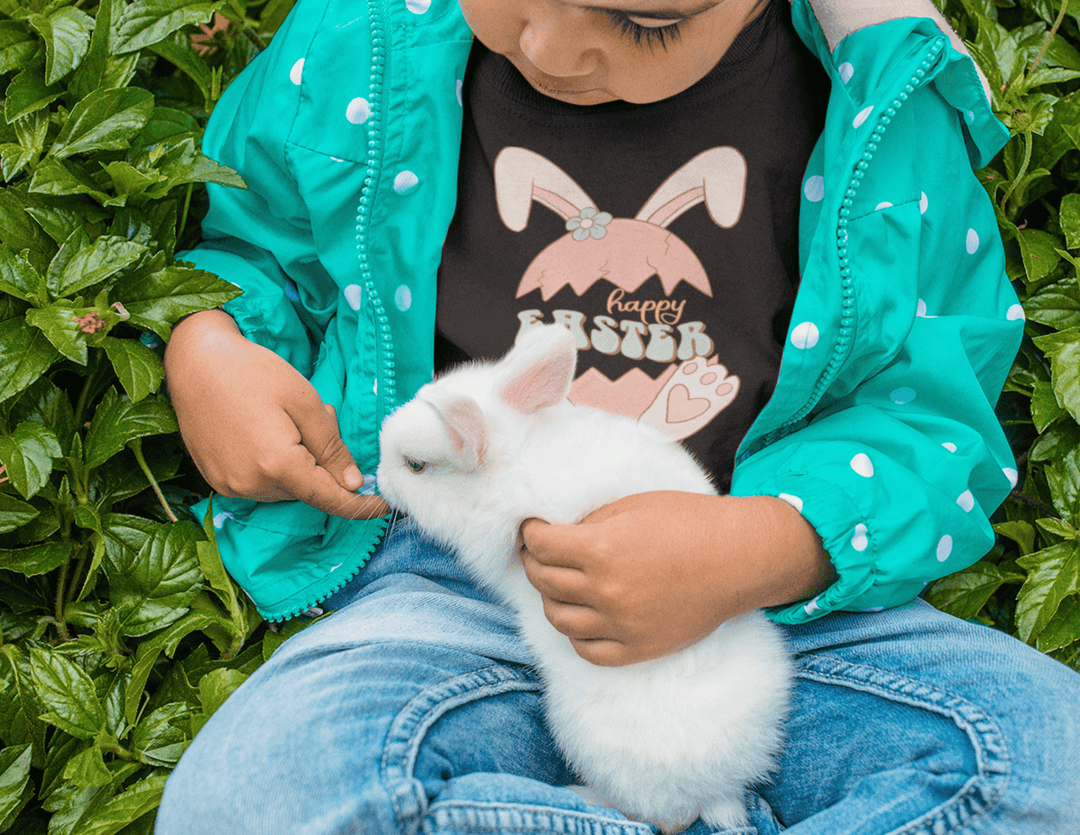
[(522, 176), (716, 176)]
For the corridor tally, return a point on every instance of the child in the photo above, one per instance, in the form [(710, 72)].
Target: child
[(847, 237)]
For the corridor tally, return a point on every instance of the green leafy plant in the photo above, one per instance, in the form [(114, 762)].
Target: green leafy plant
[(120, 632), (1030, 584)]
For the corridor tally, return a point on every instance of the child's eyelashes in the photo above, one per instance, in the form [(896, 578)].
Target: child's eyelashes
[(648, 36)]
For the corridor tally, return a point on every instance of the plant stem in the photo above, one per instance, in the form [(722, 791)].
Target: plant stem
[(61, 588), (184, 212), (1028, 142), (1049, 37), (84, 395), (136, 447)]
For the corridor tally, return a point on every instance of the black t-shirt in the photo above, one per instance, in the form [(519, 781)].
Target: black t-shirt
[(663, 235)]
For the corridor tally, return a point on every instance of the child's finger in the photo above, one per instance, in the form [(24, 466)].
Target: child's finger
[(319, 433)]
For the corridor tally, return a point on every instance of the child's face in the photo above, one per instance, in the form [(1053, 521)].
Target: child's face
[(595, 51)]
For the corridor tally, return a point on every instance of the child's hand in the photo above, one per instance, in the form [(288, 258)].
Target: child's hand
[(653, 573), (255, 427)]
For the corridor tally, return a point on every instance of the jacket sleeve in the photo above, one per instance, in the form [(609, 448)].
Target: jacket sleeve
[(260, 238), (900, 460)]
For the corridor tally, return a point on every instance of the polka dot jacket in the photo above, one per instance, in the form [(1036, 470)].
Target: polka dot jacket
[(881, 431)]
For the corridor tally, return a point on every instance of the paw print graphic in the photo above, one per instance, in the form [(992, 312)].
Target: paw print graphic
[(695, 394)]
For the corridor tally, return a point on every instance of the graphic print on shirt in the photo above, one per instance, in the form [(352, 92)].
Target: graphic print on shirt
[(694, 387)]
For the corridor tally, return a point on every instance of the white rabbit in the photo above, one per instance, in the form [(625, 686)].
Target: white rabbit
[(488, 445)]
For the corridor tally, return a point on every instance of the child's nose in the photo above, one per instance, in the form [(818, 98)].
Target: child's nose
[(557, 44)]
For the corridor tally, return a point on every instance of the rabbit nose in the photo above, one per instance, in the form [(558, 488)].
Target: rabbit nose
[(557, 45)]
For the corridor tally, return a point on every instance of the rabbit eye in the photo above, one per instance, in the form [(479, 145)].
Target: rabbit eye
[(415, 466)]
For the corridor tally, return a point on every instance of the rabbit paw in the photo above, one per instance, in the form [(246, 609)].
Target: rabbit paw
[(695, 394)]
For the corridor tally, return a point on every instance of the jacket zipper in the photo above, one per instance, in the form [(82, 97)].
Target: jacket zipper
[(385, 373), (849, 314)]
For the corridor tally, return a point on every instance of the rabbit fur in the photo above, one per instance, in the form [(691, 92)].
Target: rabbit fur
[(488, 445)]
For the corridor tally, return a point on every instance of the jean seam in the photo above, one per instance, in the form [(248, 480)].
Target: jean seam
[(568, 821), (410, 727), (978, 794)]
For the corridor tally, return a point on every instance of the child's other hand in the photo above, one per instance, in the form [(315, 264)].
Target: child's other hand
[(255, 427), (653, 573)]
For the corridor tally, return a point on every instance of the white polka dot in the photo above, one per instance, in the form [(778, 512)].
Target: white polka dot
[(805, 335), (1016, 312), (358, 111), (337, 159), (375, 388), (860, 540), (814, 188), (811, 607), (884, 204), (864, 114), (1012, 475), (862, 464), (353, 295), (949, 447), (969, 116), (405, 182), (902, 395), (846, 71), (920, 308), (296, 74), (944, 548), (403, 298), (460, 92), (972, 242), (219, 518), (794, 501), (418, 6), (924, 202), (873, 609), (966, 501)]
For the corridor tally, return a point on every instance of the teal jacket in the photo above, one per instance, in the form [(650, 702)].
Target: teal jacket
[(881, 430)]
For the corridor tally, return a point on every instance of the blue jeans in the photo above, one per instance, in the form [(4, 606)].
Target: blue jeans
[(411, 709)]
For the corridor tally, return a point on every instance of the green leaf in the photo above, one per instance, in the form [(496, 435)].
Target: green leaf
[(216, 686), (126, 807), (67, 37), (28, 93), (28, 455), (177, 50), (87, 768), (1063, 629), (20, 719), (158, 300), (19, 278), (67, 693), (1070, 219), (146, 22), (57, 322), (119, 420), (1044, 406), (80, 264), (104, 120), (1040, 252), (140, 370), (160, 581), (1019, 532), (62, 178), (965, 593), (14, 779), (25, 354), (36, 559), (100, 68), (14, 513), (1063, 351), (159, 739), (1053, 575), (1056, 305), (17, 45), (1058, 528)]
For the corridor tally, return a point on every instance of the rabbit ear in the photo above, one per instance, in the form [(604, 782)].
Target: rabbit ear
[(522, 176), (716, 176), (464, 422), (539, 369)]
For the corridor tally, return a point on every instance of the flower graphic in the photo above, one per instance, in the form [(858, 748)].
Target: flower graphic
[(589, 224)]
